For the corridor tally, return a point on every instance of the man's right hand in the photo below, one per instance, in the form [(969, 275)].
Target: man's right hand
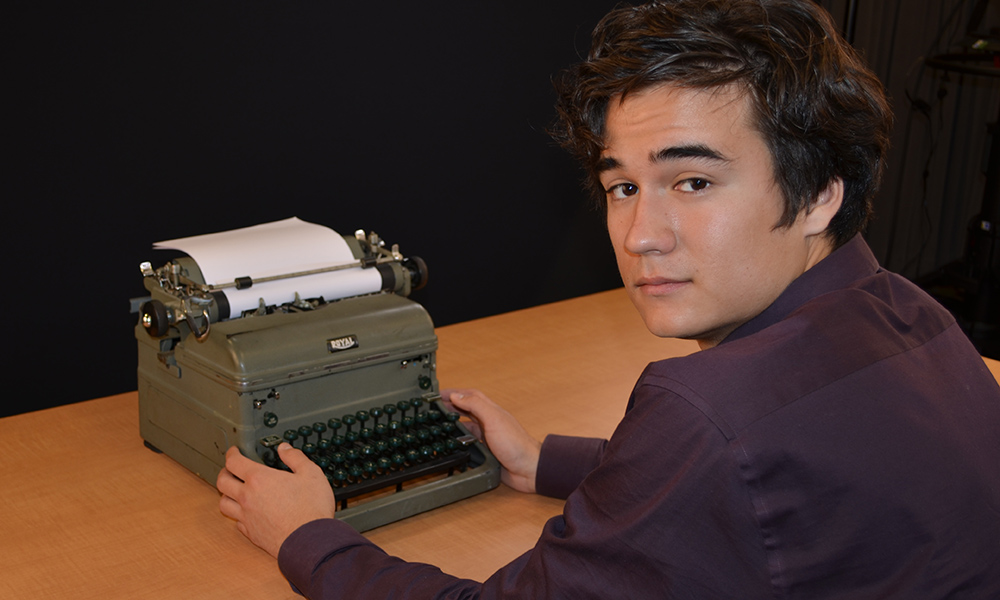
[(507, 439)]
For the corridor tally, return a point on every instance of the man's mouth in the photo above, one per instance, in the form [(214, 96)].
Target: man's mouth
[(657, 286)]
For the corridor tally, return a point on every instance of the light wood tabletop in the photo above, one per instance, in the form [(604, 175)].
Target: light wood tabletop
[(88, 512)]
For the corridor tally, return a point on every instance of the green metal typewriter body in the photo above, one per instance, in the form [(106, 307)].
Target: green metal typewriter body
[(351, 382)]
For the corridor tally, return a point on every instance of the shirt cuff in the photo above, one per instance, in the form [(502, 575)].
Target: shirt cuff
[(564, 462)]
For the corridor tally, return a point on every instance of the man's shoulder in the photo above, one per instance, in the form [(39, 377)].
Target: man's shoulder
[(826, 340)]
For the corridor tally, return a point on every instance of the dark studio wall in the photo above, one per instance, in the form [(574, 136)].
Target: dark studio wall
[(140, 122)]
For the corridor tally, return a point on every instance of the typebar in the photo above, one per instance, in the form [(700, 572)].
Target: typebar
[(383, 447)]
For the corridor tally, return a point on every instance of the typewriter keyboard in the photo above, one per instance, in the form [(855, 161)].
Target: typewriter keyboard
[(380, 448)]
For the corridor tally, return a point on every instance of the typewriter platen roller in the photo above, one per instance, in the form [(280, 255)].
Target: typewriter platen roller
[(349, 380)]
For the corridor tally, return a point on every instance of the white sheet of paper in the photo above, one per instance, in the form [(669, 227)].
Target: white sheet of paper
[(277, 248)]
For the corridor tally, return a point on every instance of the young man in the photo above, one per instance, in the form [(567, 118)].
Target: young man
[(837, 435)]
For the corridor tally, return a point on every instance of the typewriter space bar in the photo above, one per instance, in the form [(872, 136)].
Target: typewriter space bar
[(432, 467)]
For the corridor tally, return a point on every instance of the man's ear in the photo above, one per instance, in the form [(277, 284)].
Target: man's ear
[(824, 207)]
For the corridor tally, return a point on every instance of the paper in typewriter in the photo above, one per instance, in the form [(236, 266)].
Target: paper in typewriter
[(277, 248)]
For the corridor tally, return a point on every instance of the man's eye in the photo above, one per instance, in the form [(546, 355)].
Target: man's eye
[(695, 184), (623, 190)]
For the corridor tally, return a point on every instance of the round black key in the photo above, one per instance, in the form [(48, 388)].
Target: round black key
[(416, 403), (319, 428), (334, 425), (362, 416), (305, 431), (290, 436), (348, 420)]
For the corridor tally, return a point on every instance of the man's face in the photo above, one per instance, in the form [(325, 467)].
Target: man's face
[(692, 208)]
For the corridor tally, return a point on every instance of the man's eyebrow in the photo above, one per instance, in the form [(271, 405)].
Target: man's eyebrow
[(687, 151), (606, 163), (701, 151)]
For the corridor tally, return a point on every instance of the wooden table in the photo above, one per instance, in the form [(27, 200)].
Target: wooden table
[(86, 511)]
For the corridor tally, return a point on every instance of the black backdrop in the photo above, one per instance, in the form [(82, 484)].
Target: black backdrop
[(139, 122)]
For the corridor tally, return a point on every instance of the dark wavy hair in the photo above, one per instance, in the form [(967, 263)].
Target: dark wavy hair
[(821, 111)]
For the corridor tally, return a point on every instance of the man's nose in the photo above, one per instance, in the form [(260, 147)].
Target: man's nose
[(651, 229)]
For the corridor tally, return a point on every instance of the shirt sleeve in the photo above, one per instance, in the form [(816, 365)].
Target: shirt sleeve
[(661, 515), (564, 462)]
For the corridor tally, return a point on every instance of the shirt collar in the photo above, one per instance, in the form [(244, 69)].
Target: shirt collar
[(845, 265)]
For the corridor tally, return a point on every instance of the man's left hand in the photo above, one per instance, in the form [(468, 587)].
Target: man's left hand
[(269, 504)]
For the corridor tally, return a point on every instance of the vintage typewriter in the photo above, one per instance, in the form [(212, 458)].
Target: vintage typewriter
[(347, 375)]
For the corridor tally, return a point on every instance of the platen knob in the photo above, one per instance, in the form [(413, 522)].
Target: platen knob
[(418, 272), (154, 319)]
